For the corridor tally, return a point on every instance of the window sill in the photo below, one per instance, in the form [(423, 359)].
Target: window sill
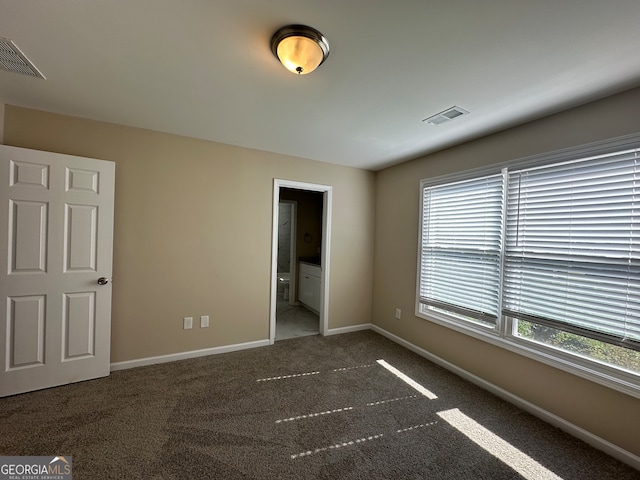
[(594, 371)]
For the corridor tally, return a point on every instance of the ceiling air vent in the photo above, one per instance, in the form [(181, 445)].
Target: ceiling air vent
[(13, 60), (446, 115)]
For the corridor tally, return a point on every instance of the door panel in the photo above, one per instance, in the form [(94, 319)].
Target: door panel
[(56, 216), (80, 238), (27, 236), (80, 180), (29, 174), (26, 331), (79, 325)]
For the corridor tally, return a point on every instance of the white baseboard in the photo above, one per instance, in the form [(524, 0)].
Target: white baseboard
[(584, 435), (350, 329), (141, 362)]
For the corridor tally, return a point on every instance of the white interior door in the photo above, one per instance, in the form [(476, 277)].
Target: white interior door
[(56, 221)]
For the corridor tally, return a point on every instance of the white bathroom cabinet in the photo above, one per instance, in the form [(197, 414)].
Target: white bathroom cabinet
[(309, 289)]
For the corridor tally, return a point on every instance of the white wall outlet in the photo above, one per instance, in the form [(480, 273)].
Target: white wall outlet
[(398, 313), (187, 323), (204, 321)]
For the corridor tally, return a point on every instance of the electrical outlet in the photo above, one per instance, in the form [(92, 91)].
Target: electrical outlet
[(398, 313), (204, 321), (187, 323)]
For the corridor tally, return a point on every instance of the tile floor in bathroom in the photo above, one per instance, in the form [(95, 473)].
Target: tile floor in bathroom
[(294, 320)]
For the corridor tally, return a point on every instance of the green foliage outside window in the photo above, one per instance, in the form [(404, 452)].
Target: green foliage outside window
[(605, 352)]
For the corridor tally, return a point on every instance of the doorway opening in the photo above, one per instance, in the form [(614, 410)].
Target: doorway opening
[(300, 244)]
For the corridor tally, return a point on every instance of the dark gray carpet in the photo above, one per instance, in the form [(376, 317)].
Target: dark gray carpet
[(306, 408)]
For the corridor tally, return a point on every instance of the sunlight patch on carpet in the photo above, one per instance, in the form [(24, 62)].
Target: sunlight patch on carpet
[(398, 399), (416, 427), (526, 466), (313, 415), (345, 369), (412, 383), (350, 443), (283, 377), (344, 409), (362, 440)]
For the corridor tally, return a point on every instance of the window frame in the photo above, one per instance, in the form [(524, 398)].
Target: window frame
[(502, 335)]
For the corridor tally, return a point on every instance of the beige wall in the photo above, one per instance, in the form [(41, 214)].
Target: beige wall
[(609, 414), (193, 232), (1, 123)]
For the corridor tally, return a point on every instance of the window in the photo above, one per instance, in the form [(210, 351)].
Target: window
[(461, 248), (541, 256)]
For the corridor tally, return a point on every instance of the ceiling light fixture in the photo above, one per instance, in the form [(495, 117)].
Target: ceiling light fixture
[(299, 48)]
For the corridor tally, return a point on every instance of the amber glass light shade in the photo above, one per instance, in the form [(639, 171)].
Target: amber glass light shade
[(299, 48)]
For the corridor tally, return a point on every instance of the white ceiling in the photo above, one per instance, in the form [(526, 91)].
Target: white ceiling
[(204, 69)]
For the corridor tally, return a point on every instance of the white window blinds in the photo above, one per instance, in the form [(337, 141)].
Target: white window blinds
[(572, 255), (461, 247)]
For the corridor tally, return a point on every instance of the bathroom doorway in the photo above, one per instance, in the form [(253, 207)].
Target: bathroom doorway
[(300, 259)]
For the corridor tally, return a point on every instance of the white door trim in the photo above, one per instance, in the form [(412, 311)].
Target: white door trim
[(325, 254)]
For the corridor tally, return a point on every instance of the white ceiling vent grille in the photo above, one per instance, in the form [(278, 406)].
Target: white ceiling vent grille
[(446, 115), (13, 60)]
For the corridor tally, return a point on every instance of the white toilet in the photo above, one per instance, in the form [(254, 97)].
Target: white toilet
[(283, 279)]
